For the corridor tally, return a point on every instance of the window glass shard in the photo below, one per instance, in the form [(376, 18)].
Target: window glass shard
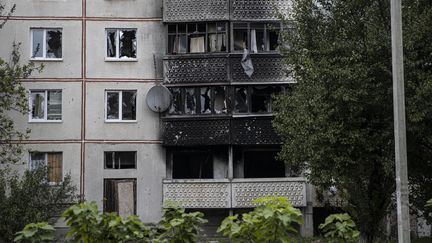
[(111, 43), (113, 105), (129, 105), (176, 101), (54, 105), (54, 44), (38, 105), (127, 43), (205, 96), (37, 45), (190, 102), (220, 106), (240, 100)]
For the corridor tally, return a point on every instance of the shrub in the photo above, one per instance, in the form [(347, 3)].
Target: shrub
[(35, 233), (340, 228)]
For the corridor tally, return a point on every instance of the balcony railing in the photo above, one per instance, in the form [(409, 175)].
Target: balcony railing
[(225, 130), (235, 193), (211, 10), (206, 68)]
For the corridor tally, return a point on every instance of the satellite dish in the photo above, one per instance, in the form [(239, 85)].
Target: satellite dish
[(158, 98)]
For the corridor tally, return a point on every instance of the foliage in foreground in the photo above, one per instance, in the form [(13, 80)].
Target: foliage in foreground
[(274, 220), (31, 198), (340, 228), (337, 123), (35, 233)]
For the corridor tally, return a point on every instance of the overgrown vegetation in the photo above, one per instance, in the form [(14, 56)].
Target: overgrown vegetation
[(274, 220), (31, 198), (36, 233), (337, 123), (340, 228)]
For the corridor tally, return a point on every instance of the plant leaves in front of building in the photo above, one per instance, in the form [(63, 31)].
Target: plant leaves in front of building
[(274, 220)]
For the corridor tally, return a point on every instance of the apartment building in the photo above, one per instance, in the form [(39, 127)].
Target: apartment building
[(212, 150)]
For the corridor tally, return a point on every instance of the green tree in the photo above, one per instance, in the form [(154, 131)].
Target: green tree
[(274, 220), (337, 123), (36, 233), (31, 198)]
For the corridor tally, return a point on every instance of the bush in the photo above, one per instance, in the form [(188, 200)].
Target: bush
[(274, 220), (36, 233), (340, 228)]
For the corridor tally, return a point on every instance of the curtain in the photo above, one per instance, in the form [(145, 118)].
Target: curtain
[(197, 44), (55, 173)]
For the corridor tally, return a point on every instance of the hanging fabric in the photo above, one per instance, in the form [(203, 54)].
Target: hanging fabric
[(254, 48), (197, 44), (246, 63)]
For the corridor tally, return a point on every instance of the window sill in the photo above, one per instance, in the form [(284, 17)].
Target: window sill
[(45, 121), (46, 59), (121, 59), (121, 121)]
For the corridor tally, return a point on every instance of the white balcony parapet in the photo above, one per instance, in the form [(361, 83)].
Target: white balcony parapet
[(236, 193)]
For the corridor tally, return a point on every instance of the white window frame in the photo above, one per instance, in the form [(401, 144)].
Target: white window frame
[(44, 58), (120, 108), (117, 57), (45, 119), (31, 167)]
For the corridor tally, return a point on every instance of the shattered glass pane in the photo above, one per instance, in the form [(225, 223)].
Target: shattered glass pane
[(111, 43), (54, 105), (54, 43), (112, 105), (240, 37), (128, 105), (176, 101), (205, 96), (37, 45), (38, 104), (127, 43), (219, 100), (240, 100), (190, 103), (261, 99)]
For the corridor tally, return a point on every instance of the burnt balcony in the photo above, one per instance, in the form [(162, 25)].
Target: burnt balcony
[(223, 68), (235, 193), (202, 131), (205, 10)]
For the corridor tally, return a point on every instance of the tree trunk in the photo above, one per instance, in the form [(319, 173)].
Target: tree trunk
[(366, 238)]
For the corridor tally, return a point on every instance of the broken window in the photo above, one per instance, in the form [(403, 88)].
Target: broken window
[(121, 43), (190, 101), (261, 98), (261, 36), (241, 100), (176, 103), (46, 43), (205, 95), (53, 161), (193, 164), (120, 196), (46, 105), (197, 38), (120, 160), (220, 100), (121, 105), (262, 164)]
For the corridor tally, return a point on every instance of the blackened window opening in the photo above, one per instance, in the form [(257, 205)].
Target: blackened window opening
[(262, 164), (192, 165), (120, 160)]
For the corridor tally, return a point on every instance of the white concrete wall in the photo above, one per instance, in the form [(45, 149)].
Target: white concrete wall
[(125, 8), (45, 7), (150, 38), (146, 126), (70, 126), (19, 31), (149, 173)]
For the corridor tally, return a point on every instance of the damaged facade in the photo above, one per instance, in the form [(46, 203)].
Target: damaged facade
[(214, 148)]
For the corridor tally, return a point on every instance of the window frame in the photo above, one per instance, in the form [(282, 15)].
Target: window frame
[(44, 57), (120, 108), (266, 36), (31, 167), (135, 158), (117, 57), (206, 36), (45, 119)]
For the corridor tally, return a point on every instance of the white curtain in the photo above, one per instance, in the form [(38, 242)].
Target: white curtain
[(254, 48)]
